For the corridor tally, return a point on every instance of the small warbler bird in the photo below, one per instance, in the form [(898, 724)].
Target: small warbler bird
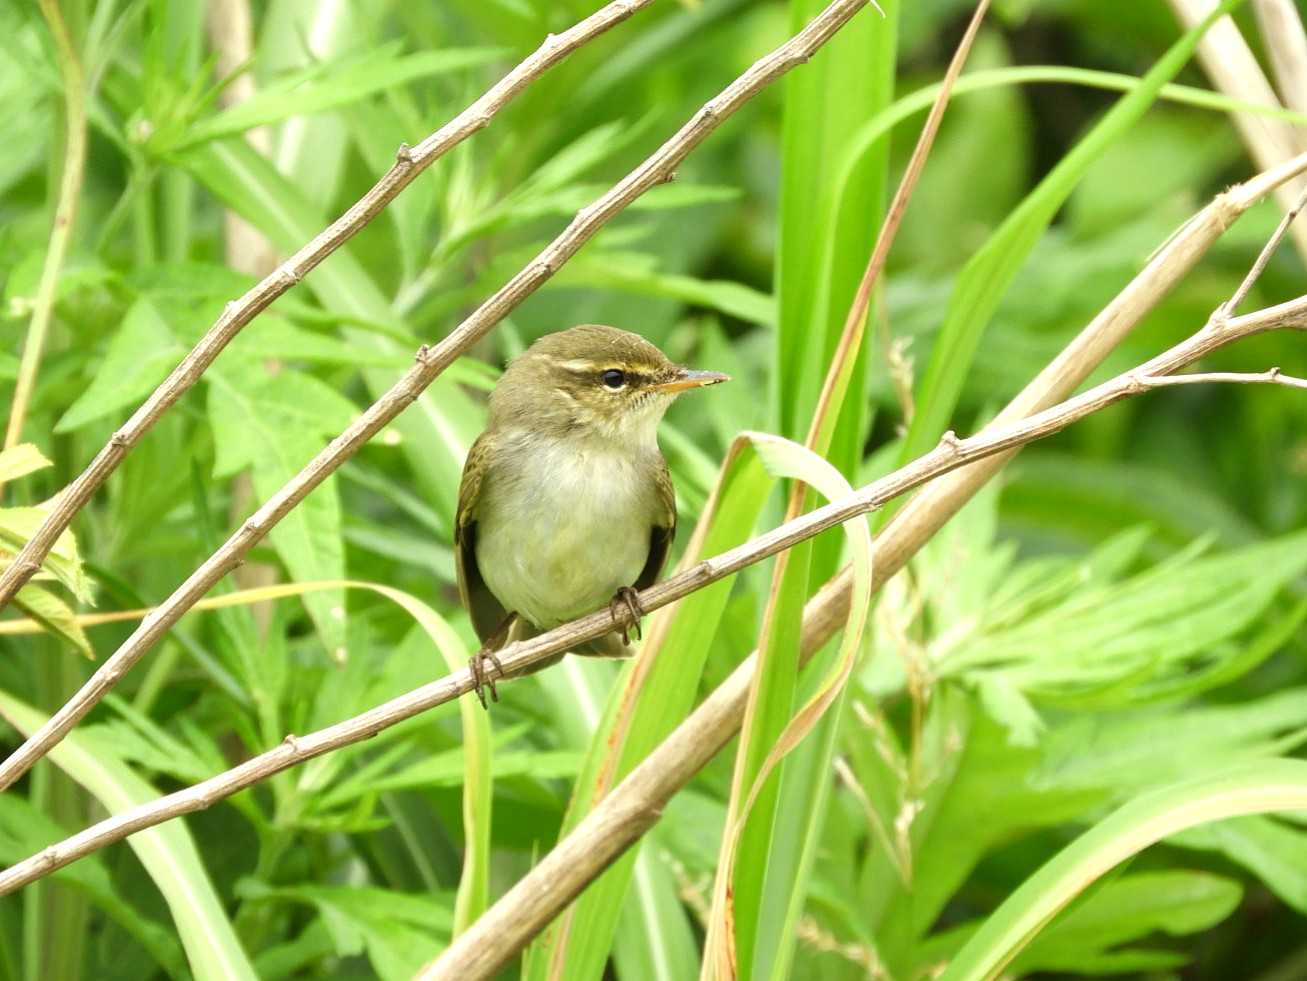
[(566, 503)]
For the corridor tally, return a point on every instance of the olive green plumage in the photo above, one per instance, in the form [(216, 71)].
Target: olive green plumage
[(565, 498)]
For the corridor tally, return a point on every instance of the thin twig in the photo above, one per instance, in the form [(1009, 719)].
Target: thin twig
[(927, 511), (70, 188), (854, 323), (431, 361), (718, 942), (950, 454), (636, 803), (1228, 308), (1272, 376), (409, 163), (719, 715)]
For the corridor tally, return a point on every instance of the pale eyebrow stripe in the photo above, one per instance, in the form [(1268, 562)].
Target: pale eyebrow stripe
[(581, 365), (585, 366)]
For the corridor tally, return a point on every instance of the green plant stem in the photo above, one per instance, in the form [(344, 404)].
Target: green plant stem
[(65, 211)]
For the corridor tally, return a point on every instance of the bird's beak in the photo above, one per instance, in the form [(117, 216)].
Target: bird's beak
[(687, 378)]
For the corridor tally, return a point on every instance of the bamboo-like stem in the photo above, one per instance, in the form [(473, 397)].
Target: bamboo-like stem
[(635, 805), (1231, 65), (409, 163), (950, 454), (431, 361), (1286, 43), (824, 612), (916, 522), (70, 188), (718, 942)]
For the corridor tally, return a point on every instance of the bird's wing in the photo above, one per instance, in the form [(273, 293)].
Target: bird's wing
[(487, 614), (664, 527)]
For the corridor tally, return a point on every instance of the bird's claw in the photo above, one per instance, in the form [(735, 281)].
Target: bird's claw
[(629, 598), (481, 676)]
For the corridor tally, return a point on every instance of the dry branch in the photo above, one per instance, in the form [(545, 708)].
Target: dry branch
[(636, 803), (409, 163), (950, 454), (1286, 44), (634, 806), (916, 522), (431, 361), (1231, 65)]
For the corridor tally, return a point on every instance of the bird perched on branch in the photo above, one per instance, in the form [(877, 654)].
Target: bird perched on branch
[(565, 503)]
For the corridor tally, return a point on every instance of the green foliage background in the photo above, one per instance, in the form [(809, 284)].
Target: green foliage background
[(1122, 611)]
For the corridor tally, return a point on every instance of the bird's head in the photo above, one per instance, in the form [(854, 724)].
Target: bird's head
[(593, 381)]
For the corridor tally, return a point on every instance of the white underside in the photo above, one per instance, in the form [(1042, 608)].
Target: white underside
[(564, 529)]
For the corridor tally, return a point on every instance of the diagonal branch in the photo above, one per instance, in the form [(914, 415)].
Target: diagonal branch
[(409, 163), (913, 525), (637, 803), (1232, 66), (951, 454), (431, 361)]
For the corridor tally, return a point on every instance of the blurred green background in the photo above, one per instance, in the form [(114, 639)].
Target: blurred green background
[(1123, 609)]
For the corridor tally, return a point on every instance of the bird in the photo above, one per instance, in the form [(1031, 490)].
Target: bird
[(565, 502)]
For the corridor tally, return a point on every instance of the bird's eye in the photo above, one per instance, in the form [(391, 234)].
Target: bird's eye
[(613, 378)]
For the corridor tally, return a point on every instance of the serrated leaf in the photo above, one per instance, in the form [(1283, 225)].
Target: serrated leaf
[(276, 424), (55, 615), (141, 353), (64, 563)]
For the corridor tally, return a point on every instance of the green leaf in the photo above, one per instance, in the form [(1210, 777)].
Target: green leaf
[(436, 431), (19, 461), (1270, 849), (399, 932), (168, 852), (634, 272), (987, 276), (24, 831), (54, 615), (141, 353), (1105, 643), (654, 697), (276, 425), (770, 733), (330, 85), (64, 562), (1120, 750), (1129, 908), (826, 230), (1263, 787)]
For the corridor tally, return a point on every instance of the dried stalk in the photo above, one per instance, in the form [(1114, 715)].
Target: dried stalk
[(924, 514), (719, 940), (1286, 43), (431, 361), (639, 799), (950, 454), (1231, 65), (70, 187), (409, 163), (635, 805)]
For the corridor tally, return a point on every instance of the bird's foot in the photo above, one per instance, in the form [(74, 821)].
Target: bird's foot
[(629, 598), (480, 664)]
